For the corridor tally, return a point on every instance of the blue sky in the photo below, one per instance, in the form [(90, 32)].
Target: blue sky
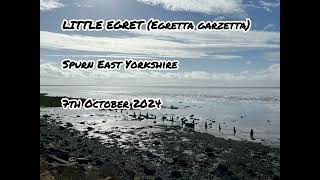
[(206, 58)]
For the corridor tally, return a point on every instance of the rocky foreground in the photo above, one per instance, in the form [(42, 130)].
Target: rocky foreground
[(174, 153)]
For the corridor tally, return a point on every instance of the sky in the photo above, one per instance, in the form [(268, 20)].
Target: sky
[(207, 58)]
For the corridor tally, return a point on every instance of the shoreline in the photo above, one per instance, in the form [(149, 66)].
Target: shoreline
[(171, 153)]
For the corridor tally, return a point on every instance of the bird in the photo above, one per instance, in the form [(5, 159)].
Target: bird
[(234, 131), (219, 128), (190, 125), (251, 134), (205, 125)]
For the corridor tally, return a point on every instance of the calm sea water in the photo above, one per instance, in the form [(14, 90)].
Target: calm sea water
[(242, 108)]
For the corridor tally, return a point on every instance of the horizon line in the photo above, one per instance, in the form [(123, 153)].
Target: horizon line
[(164, 86)]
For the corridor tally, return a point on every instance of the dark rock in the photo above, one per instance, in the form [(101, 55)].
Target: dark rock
[(234, 177), (148, 170), (81, 122), (83, 160), (99, 162), (69, 124), (157, 178), (183, 163), (226, 177), (78, 115), (46, 116), (211, 154), (62, 128), (156, 142), (222, 168), (169, 160), (154, 121), (209, 149), (276, 177), (176, 174), (251, 172), (173, 107), (52, 158), (90, 128), (150, 154)]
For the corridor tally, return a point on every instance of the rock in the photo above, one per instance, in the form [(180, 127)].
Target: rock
[(69, 124), (108, 178), (209, 149), (83, 160), (276, 177), (148, 170), (62, 128), (99, 162), (150, 154), (156, 142), (46, 116), (183, 163), (234, 177), (211, 154), (90, 128), (154, 121), (222, 168), (52, 158), (169, 160), (251, 173), (59, 153), (176, 174), (81, 122), (173, 107), (201, 157), (78, 115)]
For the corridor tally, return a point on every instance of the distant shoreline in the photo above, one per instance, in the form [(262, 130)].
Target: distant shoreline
[(165, 86)]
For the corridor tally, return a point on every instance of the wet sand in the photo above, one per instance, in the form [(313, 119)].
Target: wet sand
[(151, 152)]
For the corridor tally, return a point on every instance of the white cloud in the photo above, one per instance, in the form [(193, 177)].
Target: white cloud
[(271, 73), (46, 5), (229, 7), (54, 72), (269, 27), (195, 44), (268, 5)]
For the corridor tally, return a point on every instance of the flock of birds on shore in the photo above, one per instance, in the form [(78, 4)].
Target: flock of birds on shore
[(184, 121)]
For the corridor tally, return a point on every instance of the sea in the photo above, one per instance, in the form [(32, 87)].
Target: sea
[(242, 108)]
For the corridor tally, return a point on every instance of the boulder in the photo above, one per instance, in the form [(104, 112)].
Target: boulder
[(69, 124), (148, 170), (90, 128), (201, 157), (176, 174)]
